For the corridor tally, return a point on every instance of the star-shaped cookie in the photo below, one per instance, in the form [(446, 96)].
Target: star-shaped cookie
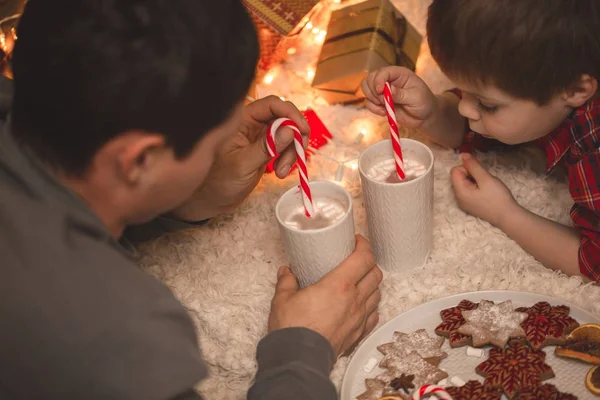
[(412, 364), (419, 341), (376, 389), (515, 367), (546, 392), (474, 390), (547, 325), (452, 319), (492, 323)]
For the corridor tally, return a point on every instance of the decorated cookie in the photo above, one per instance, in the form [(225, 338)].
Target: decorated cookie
[(547, 325), (411, 364), (375, 390), (492, 323), (452, 319), (514, 368), (545, 392), (474, 390), (419, 341)]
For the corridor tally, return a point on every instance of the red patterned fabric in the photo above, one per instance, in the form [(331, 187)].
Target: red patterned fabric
[(575, 144)]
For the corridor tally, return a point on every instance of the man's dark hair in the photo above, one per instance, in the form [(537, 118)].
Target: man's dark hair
[(531, 49), (87, 70)]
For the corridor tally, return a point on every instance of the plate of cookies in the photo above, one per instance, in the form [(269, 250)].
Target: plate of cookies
[(489, 345)]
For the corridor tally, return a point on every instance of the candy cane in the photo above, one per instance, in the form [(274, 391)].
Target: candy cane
[(426, 390), (394, 132), (300, 155)]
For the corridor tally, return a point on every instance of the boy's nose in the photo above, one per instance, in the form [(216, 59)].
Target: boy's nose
[(467, 107)]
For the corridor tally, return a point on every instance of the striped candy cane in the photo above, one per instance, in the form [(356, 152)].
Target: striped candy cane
[(426, 390), (394, 132), (300, 155)]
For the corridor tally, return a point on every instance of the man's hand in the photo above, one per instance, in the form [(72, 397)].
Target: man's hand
[(341, 306), (481, 194), (242, 160)]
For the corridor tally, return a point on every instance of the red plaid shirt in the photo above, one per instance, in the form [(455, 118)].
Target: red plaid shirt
[(576, 145)]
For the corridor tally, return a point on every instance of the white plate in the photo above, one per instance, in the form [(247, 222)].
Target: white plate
[(570, 374)]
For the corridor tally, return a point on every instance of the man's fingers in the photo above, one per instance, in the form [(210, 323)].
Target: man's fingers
[(369, 284), (286, 285), (474, 168), (355, 267), (270, 108), (372, 321), (373, 302)]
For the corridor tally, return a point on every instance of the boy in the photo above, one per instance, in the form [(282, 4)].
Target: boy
[(525, 71), (124, 112)]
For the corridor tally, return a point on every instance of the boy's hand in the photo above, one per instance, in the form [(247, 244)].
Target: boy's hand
[(342, 306), (415, 103), (481, 194)]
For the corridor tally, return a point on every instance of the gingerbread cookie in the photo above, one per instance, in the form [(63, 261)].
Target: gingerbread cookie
[(514, 368), (492, 323), (375, 389), (390, 390), (411, 364), (419, 341), (545, 392), (547, 325), (474, 390), (452, 319)]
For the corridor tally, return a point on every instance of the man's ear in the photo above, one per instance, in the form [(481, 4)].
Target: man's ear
[(137, 152), (581, 91)]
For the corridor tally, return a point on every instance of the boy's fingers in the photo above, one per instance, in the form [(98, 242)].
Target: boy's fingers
[(474, 168), (375, 109), (461, 179)]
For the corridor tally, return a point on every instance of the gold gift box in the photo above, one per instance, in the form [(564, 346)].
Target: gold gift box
[(362, 38)]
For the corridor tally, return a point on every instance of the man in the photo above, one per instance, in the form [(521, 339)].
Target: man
[(129, 113)]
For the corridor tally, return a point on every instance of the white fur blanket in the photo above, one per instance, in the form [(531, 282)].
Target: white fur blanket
[(224, 273)]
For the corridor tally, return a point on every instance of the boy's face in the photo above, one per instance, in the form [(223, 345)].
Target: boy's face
[(497, 115)]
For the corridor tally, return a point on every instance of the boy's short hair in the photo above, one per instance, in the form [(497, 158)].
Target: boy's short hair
[(531, 49), (88, 70)]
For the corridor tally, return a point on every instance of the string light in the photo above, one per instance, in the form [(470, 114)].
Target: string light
[(291, 50), (354, 166), (309, 25), (268, 79), (316, 31), (339, 174), (310, 73)]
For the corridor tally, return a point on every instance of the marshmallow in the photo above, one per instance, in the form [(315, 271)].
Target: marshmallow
[(443, 382), (456, 381), (473, 352), (370, 365)]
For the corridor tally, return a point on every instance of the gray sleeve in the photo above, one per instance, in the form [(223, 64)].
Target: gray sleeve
[(293, 364), (158, 227)]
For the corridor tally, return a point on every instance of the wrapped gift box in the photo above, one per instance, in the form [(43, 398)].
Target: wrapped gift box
[(362, 38), (278, 23)]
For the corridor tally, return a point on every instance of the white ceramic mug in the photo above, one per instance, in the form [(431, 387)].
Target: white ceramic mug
[(313, 253), (400, 215)]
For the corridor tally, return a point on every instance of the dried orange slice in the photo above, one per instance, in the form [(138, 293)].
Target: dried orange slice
[(592, 380), (583, 344), (586, 331)]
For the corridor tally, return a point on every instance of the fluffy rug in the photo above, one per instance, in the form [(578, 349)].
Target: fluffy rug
[(224, 273)]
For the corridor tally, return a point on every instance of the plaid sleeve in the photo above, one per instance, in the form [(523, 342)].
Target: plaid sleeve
[(584, 185), (474, 141)]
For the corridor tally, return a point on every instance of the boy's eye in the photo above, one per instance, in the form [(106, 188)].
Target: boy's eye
[(486, 108)]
